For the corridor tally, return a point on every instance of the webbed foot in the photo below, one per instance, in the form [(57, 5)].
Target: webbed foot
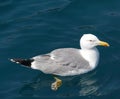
[(55, 85)]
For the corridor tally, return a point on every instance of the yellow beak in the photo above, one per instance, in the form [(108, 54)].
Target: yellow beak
[(102, 43)]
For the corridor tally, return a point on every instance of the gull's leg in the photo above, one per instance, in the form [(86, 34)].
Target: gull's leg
[(55, 85)]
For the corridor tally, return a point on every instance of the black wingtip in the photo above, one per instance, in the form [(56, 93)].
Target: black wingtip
[(25, 62)]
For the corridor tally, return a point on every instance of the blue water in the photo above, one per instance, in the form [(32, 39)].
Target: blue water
[(32, 27)]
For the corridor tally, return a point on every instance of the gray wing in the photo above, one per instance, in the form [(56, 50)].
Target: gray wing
[(61, 61)]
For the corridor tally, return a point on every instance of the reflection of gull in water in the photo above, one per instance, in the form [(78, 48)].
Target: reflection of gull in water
[(67, 61), (73, 86), (88, 84)]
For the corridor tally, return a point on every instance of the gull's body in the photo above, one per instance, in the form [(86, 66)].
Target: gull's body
[(68, 61)]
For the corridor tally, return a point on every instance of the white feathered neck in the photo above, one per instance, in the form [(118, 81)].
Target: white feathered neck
[(91, 55)]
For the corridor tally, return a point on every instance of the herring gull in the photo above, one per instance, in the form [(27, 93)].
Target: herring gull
[(67, 61)]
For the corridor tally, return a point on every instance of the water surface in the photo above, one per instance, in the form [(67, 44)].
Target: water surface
[(32, 27)]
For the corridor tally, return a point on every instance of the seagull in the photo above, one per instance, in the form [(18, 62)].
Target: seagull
[(67, 61)]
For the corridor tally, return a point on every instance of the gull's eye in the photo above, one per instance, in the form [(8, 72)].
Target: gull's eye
[(91, 40)]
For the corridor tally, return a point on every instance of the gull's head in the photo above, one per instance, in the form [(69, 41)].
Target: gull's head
[(89, 41)]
